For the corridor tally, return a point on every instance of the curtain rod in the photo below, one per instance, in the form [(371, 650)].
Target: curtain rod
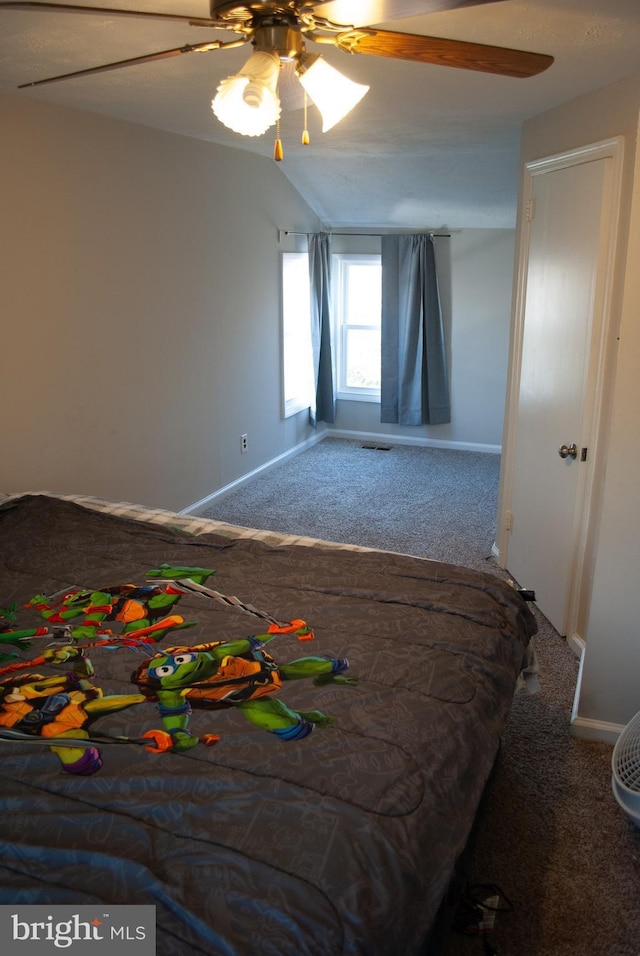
[(359, 235)]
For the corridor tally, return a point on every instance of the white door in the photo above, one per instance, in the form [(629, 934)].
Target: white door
[(563, 318)]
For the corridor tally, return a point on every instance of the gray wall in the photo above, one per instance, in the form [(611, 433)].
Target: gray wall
[(140, 308)]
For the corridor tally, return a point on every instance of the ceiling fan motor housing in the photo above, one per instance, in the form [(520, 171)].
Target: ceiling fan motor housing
[(237, 12), (274, 26), (279, 38)]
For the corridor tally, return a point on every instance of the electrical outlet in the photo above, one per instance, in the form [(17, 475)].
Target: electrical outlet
[(244, 439)]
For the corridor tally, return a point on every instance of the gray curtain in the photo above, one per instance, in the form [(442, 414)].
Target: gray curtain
[(323, 406), (414, 386)]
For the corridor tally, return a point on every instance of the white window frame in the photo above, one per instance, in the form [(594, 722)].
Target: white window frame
[(297, 361), (340, 278)]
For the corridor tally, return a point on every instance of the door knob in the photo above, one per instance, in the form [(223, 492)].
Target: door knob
[(568, 451)]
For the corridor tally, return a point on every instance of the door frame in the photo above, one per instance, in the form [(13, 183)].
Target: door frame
[(598, 385)]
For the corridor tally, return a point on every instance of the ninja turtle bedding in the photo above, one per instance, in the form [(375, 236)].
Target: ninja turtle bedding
[(281, 744)]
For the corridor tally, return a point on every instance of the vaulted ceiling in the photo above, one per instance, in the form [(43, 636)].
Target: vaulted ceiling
[(428, 147)]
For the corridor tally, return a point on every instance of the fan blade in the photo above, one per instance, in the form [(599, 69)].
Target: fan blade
[(379, 11), (458, 53), (135, 61), (28, 5)]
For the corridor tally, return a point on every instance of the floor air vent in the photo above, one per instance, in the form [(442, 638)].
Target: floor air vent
[(371, 446)]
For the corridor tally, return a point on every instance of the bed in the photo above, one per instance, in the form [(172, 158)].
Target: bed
[(338, 842)]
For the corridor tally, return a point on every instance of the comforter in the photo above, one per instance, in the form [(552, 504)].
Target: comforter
[(337, 843)]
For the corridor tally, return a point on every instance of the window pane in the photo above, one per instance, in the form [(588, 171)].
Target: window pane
[(363, 358), (363, 293), (296, 332)]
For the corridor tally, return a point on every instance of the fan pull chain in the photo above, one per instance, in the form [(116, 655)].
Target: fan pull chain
[(305, 131), (278, 152)]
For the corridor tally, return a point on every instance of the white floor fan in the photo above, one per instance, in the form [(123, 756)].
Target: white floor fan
[(625, 764)]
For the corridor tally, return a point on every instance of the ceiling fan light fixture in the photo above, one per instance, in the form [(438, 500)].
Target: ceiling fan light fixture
[(248, 102), (333, 93)]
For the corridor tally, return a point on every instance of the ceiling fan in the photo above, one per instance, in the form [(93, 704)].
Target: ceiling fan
[(278, 30)]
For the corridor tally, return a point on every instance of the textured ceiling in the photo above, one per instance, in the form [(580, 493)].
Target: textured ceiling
[(428, 147)]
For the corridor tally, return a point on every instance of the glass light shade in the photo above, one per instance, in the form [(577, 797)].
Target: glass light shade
[(248, 102), (334, 94)]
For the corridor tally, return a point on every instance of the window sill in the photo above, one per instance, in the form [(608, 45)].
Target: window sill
[(353, 396), (294, 408)]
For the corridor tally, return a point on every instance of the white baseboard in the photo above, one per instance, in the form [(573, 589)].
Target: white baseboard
[(394, 439), (595, 729), (577, 645), (199, 506)]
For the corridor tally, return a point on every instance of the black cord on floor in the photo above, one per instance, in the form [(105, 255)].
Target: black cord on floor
[(474, 911)]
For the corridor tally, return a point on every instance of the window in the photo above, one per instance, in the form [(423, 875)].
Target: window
[(356, 283), (357, 292), (297, 362)]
